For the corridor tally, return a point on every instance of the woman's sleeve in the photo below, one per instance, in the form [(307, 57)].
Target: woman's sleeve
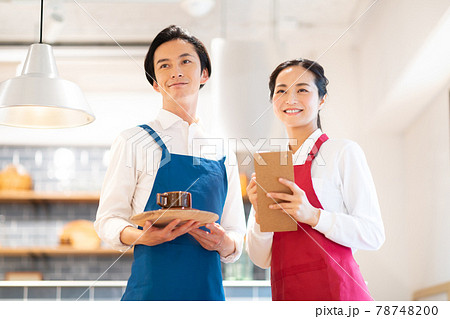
[(258, 244), (361, 227), (114, 209), (233, 216)]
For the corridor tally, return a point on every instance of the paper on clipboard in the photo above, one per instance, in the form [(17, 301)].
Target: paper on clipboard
[(269, 167)]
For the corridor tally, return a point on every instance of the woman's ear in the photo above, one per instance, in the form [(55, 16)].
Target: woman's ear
[(322, 101), (205, 76)]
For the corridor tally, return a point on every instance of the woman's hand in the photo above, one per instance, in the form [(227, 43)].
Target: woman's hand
[(252, 195), (297, 205), (151, 235), (217, 239)]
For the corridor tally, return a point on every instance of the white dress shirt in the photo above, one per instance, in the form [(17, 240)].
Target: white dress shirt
[(343, 184), (134, 162)]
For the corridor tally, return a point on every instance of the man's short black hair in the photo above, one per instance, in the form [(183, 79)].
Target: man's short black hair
[(170, 33)]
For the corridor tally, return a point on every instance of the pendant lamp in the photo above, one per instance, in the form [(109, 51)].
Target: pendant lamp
[(39, 98)]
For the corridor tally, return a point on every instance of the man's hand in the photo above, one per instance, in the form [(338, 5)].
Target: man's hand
[(217, 239), (151, 235)]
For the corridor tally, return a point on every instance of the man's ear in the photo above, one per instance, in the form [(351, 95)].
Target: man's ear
[(205, 76), (156, 86)]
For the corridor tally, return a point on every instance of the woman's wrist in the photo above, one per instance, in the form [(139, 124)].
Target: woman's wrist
[(313, 220), (316, 217)]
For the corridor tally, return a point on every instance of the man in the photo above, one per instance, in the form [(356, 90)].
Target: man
[(173, 263)]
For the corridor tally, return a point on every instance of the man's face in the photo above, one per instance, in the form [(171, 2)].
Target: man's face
[(178, 70)]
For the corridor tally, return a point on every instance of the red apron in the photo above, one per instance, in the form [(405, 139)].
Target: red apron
[(308, 266)]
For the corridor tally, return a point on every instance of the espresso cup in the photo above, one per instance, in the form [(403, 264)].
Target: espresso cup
[(174, 200)]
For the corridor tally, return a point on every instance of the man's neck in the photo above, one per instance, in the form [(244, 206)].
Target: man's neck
[(186, 111)]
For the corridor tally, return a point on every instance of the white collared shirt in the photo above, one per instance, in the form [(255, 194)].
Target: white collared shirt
[(134, 162), (343, 184)]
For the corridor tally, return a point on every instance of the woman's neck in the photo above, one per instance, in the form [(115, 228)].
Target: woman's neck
[(299, 134)]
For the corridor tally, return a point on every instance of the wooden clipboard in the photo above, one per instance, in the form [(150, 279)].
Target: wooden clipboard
[(269, 167)]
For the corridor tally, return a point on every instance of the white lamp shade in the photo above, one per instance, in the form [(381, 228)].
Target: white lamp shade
[(39, 98)]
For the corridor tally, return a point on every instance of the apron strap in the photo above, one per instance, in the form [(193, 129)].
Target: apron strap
[(315, 149), (157, 139)]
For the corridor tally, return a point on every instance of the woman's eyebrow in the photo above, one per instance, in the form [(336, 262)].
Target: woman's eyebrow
[(297, 84), (185, 54), (162, 60)]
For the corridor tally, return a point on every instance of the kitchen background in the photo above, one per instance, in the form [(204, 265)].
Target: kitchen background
[(387, 62), (37, 224)]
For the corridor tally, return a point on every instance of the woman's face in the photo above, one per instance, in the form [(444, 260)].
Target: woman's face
[(296, 99)]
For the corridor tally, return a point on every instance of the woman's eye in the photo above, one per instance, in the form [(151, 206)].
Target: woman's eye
[(279, 92), (302, 91), (186, 61), (163, 66)]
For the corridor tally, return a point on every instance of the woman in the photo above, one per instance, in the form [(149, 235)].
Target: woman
[(175, 262), (333, 199)]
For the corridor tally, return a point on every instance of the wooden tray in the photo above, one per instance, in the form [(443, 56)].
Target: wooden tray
[(162, 217)]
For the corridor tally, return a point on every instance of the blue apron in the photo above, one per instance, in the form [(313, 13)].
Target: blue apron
[(181, 269)]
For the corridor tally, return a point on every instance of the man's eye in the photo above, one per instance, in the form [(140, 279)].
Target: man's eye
[(163, 66), (186, 61)]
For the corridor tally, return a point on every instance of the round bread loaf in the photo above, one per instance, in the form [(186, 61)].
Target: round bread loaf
[(80, 234), (14, 177)]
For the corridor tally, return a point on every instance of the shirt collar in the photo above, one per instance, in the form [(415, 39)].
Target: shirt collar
[(301, 154), (168, 119)]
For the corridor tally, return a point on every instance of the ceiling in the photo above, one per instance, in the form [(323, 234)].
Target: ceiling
[(86, 34), (136, 22), (405, 38)]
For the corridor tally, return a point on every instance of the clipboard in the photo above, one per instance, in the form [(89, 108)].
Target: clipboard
[(269, 167)]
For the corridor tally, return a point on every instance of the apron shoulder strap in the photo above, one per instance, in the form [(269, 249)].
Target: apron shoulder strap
[(315, 149), (157, 139)]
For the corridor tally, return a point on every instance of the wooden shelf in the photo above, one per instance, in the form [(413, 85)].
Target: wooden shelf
[(58, 251), (432, 291), (32, 196)]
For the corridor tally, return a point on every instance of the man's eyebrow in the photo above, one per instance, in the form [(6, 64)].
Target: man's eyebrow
[(181, 56)]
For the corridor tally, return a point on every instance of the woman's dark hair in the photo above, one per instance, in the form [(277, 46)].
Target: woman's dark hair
[(319, 77), (170, 33)]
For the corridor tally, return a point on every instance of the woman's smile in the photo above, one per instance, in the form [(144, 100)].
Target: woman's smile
[(292, 111)]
